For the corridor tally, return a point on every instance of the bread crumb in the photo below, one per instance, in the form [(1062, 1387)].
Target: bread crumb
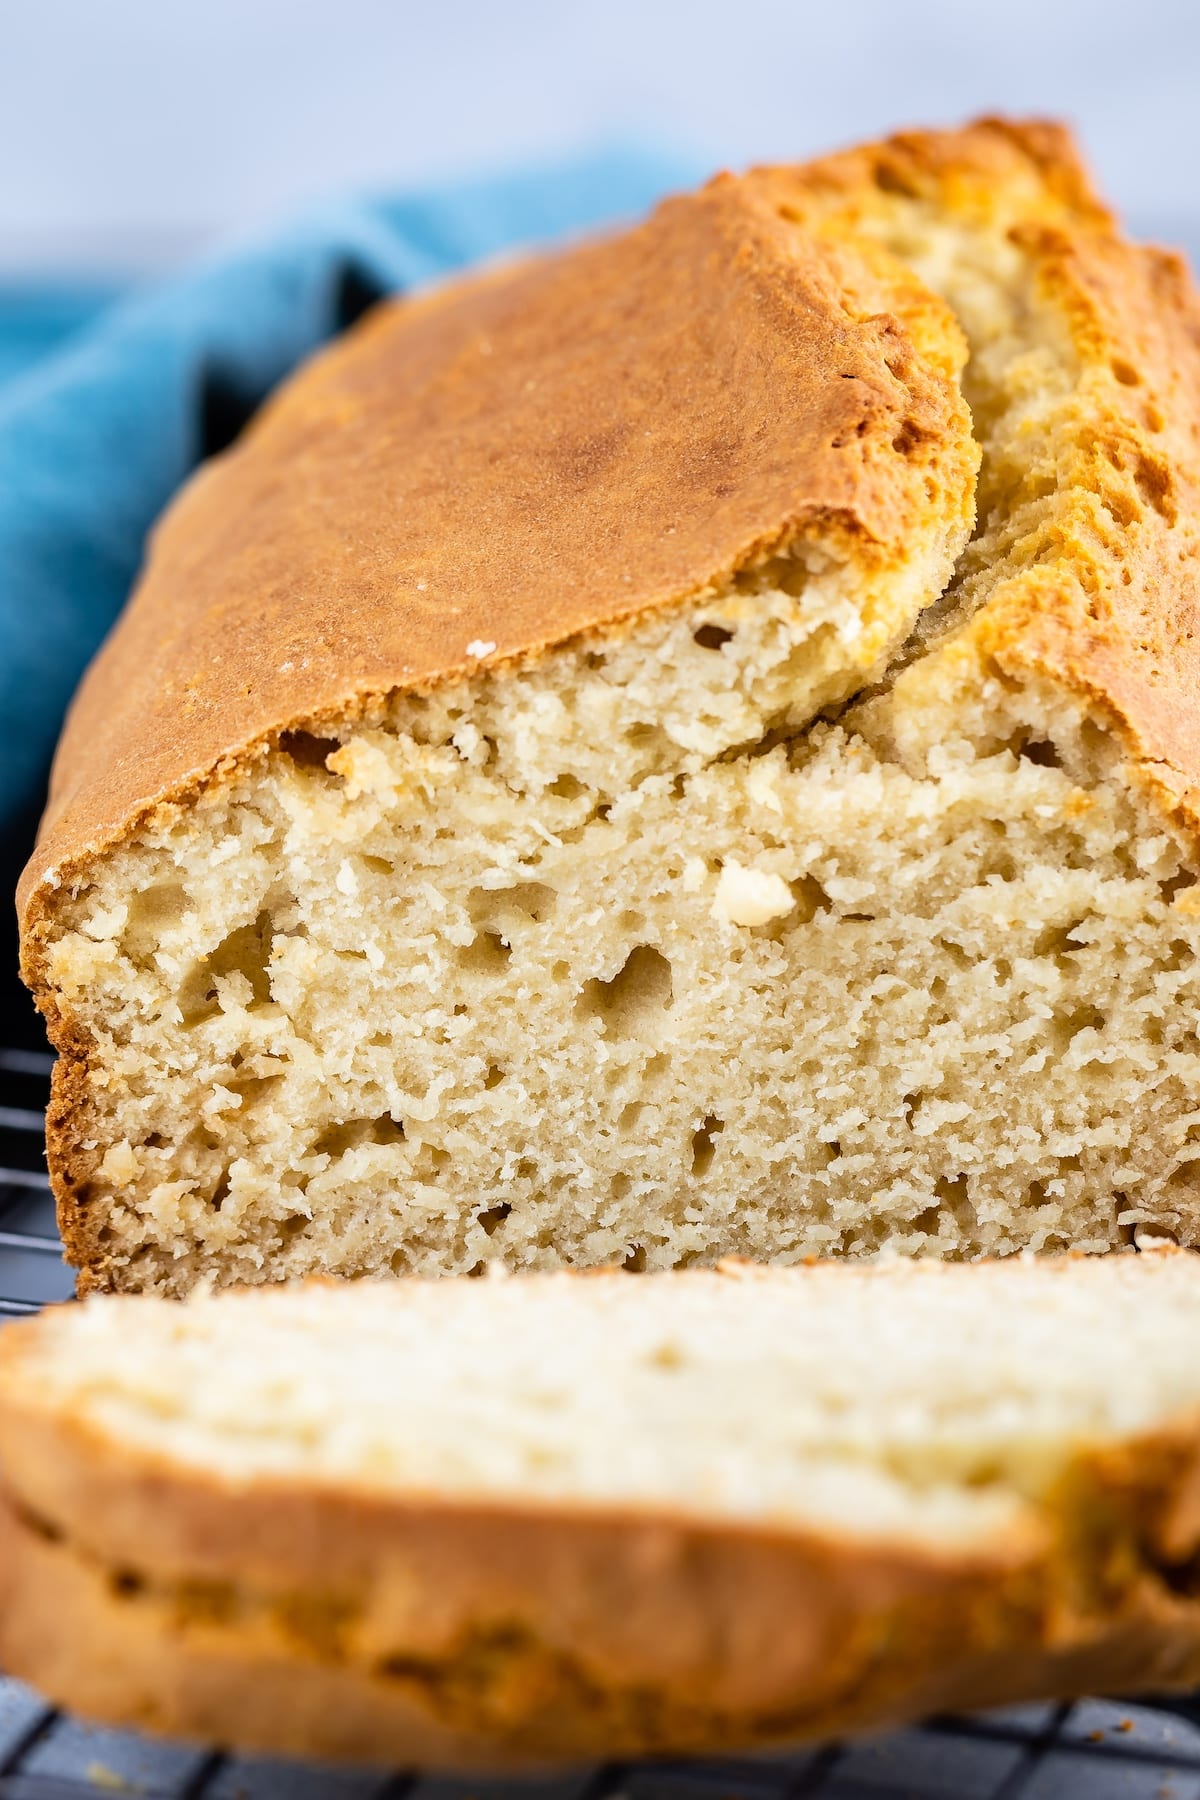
[(751, 896), (364, 768), (120, 1164), (480, 647)]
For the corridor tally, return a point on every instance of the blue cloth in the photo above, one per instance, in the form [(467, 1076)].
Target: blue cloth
[(36, 318), (94, 440)]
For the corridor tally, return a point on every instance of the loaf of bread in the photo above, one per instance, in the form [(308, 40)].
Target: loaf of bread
[(563, 1516), (685, 747)]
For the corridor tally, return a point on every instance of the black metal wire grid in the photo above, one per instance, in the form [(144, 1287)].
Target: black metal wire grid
[(1090, 1751)]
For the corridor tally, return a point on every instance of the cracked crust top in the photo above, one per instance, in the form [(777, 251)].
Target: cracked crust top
[(1101, 598), (551, 449)]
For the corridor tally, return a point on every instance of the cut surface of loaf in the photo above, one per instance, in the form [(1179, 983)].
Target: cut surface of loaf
[(570, 789), (569, 1515)]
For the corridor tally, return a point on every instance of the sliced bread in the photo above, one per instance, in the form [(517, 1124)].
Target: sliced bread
[(567, 790), (564, 1516)]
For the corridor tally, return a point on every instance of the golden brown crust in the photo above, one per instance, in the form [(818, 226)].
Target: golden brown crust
[(547, 449), (143, 1590), (555, 449), (472, 1637), (1107, 608), (295, 536), (215, 1663)]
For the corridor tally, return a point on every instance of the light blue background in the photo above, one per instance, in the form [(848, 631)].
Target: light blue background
[(131, 131)]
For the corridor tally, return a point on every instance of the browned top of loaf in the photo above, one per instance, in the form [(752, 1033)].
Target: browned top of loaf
[(1104, 599), (554, 448)]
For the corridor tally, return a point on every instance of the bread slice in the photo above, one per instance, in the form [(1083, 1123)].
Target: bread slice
[(566, 790), (563, 1515)]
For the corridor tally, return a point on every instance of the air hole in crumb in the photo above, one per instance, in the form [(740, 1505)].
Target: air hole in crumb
[(125, 1585), (289, 1229), (954, 953), (1058, 940), (604, 809), (1176, 884), (775, 574), (638, 993), (379, 865), (635, 1261), (566, 787), (220, 1193), (155, 1141), (951, 1202), (250, 1089), (495, 1075), (594, 659), (493, 1218), (951, 1190), (151, 912), (1125, 372), (350, 1134), (619, 1187), (711, 636), (487, 953), (1082, 1018), (704, 1145), (1039, 751), (910, 437), (307, 750), (810, 898), (503, 912), (526, 1169), (1123, 1228), (245, 952), (629, 1115)]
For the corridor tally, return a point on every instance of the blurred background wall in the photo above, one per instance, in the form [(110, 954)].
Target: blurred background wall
[(134, 131)]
